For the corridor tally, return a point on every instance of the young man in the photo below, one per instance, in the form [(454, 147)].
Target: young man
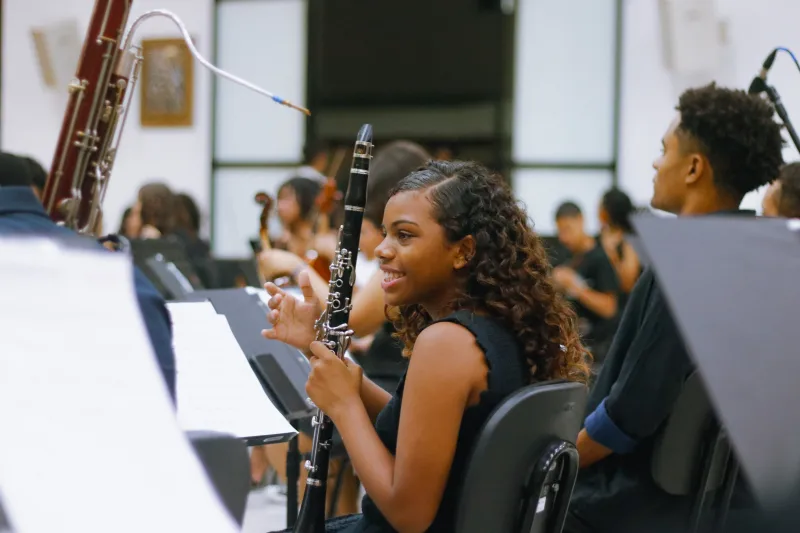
[(721, 145), (782, 198), (22, 214), (589, 280)]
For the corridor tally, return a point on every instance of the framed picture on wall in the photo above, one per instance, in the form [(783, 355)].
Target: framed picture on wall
[(167, 84)]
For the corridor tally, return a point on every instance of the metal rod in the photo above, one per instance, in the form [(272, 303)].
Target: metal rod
[(187, 37)]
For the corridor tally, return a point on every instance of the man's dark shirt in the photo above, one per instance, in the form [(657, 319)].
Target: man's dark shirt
[(21, 213), (644, 373), (598, 273)]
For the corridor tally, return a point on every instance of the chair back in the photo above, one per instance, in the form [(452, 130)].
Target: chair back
[(227, 465), (690, 450), (524, 464)]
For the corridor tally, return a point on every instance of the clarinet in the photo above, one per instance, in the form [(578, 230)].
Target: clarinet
[(332, 330)]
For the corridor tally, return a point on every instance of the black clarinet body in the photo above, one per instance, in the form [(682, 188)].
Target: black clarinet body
[(333, 331)]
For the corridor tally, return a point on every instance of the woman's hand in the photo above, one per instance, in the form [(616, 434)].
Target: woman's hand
[(292, 320), (274, 263), (333, 385)]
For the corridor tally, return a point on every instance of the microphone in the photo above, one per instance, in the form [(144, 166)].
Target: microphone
[(759, 83)]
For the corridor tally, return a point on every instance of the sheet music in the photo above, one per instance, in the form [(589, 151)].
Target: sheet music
[(216, 387), (87, 423)]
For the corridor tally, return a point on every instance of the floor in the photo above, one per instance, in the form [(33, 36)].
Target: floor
[(266, 510)]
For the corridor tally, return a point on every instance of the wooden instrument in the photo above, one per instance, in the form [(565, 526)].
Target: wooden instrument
[(99, 100)]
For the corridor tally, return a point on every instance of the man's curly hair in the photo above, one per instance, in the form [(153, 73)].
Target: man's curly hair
[(509, 276), (736, 132)]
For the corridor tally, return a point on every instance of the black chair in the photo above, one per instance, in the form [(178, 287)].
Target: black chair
[(227, 465), (524, 464), (692, 456)]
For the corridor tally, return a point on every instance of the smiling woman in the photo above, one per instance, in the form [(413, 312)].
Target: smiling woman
[(456, 250)]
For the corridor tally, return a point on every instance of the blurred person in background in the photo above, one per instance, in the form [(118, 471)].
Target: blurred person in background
[(782, 198), (589, 280), (618, 238), (153, 214)]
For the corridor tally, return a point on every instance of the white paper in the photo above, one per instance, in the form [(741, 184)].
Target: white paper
[(88, 428), (216, 387)]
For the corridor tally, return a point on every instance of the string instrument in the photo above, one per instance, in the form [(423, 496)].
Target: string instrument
[(265, 201), (332, 328), (99, 101), (325, 202)]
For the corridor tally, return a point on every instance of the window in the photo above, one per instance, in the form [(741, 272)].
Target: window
[(257, 143)]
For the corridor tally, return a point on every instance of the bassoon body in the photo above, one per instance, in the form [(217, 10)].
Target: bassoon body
[(332, 328), (83, 156), (99, 100)]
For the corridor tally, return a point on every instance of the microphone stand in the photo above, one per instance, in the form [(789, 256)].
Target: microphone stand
[(760, 85)]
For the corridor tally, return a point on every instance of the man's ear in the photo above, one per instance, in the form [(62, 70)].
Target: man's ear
[(465, 252), (697, 167)]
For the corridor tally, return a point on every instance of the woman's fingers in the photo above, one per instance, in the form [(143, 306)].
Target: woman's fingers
[(275, 301)]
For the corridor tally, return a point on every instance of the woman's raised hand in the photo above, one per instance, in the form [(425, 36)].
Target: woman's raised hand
[(293, 320)]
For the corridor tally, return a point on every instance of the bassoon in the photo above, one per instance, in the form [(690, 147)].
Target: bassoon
[(99, 100), (333, 331)]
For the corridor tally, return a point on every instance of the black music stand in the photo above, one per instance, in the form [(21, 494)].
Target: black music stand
[(233, 273), (732, 285), (166, 265)]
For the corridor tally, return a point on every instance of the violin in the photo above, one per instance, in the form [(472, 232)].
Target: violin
[(265, 201)]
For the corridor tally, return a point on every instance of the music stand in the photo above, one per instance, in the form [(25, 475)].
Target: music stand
[(166, 265), (731, 283)]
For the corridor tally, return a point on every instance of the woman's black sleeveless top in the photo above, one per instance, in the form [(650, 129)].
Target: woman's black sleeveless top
[(507, 373)]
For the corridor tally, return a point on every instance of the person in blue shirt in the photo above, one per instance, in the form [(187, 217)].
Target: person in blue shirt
[(21, 213), (722, 145)]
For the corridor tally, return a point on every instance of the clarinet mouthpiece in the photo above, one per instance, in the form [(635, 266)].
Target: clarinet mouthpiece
[(365, 134)]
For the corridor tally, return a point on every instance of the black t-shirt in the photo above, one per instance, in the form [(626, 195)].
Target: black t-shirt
[(598, 273)]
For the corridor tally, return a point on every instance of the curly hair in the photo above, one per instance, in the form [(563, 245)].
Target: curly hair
[(509, 275), (736, 132)]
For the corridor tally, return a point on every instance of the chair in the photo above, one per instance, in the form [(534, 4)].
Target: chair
[(227, 464), (524, 464), (692, 455)]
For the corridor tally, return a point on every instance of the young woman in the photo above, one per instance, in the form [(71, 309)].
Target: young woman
[(295, 208), (618, 238), (457, 248), (152, 216), (375, 348)]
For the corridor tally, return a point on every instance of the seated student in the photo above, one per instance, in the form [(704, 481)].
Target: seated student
[(456, 249), (21, 213), (380, 353), (782, 198), (589, 280), (722, 144)]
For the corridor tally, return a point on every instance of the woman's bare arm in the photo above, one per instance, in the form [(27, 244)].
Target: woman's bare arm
[(446, 370)]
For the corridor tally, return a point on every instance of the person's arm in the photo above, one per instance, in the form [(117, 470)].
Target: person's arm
[(374, 398), (367, 314), (159, 327), (602, 299), (602, 303), (627, 266), (651, 379), (446, 368)]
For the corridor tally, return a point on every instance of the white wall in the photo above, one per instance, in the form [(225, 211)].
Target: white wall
[(754, 28), (32, 113)]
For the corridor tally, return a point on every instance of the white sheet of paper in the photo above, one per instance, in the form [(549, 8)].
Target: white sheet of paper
[(216, 387), (87, 423)]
